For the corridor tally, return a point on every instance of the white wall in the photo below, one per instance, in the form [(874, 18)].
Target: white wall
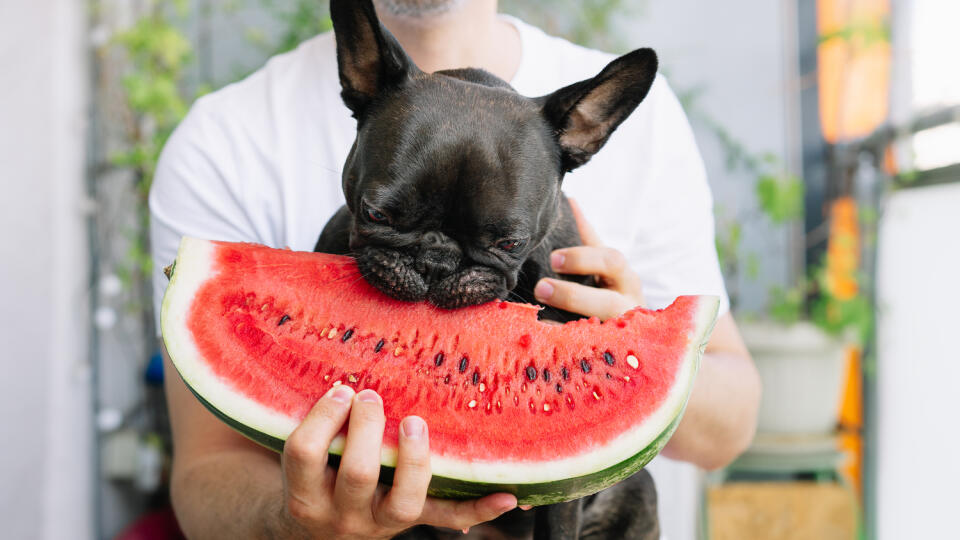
[(918, 364), (45, 457)]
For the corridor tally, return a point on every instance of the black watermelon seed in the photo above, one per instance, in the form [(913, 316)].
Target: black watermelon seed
[(564, 373), (531, 373), (438, 359), (608, 358), (347, 335), (379, 346), (559, 389), (476, 377), (585, 366), (609, 376), (463, 364), (546, 375), (283, 319)]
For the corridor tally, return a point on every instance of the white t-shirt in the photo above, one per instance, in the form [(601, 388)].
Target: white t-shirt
[(260, 160)]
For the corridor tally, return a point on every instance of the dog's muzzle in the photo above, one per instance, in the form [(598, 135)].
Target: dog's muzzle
[(434, 275)]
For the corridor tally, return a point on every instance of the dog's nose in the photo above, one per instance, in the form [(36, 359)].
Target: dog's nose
[(436, 264), (437, 256)]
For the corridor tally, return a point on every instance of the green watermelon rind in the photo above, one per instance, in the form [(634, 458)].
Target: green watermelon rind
[(455, 479), (536, 494)]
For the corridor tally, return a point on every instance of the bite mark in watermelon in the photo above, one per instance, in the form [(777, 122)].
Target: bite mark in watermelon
[(547, 412)]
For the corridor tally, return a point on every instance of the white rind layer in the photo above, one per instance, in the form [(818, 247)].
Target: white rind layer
[(194, 266)]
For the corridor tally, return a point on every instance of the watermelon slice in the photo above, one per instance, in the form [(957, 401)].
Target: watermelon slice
[(547, 412)]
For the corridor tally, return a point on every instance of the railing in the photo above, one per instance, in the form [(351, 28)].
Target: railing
[(876, 144)]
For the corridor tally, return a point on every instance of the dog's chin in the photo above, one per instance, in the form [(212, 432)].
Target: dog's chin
[(394, 273), (468, 287)]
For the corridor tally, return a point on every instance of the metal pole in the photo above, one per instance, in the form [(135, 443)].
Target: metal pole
[(93, 353)]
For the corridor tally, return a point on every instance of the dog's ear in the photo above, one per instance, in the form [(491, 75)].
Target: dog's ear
[(584, 114), (369, 58)]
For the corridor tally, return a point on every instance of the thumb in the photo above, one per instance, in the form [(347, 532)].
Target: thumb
[(588, 235)]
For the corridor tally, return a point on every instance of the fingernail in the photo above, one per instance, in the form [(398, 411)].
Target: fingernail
[(543, 290), (557, 259), (525, 506), (341, 393), (506, 506), (412, 427), (368, 396), (465, 530)]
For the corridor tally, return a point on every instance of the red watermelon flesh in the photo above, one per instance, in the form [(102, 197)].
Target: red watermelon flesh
[(259, 334)]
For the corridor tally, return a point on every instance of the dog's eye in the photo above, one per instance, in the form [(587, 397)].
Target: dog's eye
[(510, 245), (375, 215)]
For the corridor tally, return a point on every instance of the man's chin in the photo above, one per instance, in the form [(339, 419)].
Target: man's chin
[(417, 8)]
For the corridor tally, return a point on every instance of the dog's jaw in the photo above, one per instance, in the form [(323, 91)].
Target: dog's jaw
[(395, 274), (467, 287)]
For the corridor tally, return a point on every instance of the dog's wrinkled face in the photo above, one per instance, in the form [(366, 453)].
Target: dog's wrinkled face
[(451, 185), (454, 179)]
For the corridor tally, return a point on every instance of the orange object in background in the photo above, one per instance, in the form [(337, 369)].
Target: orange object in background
[(843, 249), (842, 262), (851, 405), (850, 440), (853, 66)]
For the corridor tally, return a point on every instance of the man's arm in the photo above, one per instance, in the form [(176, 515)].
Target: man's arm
[(222, 485), (721, 415), (225, 486)]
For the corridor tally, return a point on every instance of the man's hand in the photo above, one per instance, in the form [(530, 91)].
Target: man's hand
[(721, 414), (348, 502), (225, 486), (620, 288)]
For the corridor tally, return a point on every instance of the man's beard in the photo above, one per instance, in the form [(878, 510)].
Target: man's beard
[(417, 8)]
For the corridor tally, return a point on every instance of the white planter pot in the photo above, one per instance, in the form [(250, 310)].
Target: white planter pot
[(802, 369)]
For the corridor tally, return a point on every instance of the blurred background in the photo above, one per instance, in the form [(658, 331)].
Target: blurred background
[(831, 133)]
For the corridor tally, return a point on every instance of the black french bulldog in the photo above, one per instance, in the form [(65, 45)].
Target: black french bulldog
[(453, 183)]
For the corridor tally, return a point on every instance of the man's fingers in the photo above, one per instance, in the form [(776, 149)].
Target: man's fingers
[(305, 451), (359, 468), (590, 301), (404, 502), (607, 263), (464, 514), (588, 235)]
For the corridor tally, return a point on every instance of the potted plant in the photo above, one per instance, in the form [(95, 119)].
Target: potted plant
[(801, 343)]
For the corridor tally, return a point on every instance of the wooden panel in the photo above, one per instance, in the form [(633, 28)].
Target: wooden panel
[(781, 511)]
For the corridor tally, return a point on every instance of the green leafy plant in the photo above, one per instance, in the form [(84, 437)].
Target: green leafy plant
[(780, 203), (587, 22), (787, 304), (299, 22), (780, 197), (813, 297), (154, 57), (149, 60), (157, 54)]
